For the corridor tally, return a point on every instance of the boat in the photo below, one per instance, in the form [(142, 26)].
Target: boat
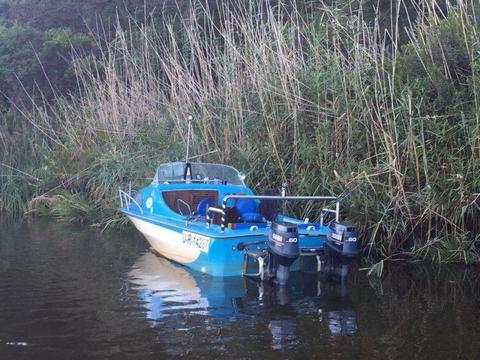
[(204, 216)]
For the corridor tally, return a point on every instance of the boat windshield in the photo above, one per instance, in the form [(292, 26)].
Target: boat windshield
[(212, 173)]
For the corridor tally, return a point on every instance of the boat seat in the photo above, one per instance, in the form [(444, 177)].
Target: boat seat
[(247, 209), (203, 205)]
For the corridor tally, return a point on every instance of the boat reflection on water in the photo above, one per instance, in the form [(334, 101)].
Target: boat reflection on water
[(166, 289), (340, 316)]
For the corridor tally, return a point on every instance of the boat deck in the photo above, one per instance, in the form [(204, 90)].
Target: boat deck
[(198, 225)]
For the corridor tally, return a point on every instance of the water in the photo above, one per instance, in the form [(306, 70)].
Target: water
[(72, 293)]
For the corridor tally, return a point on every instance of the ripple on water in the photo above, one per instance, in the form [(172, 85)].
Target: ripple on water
[(69, 293)]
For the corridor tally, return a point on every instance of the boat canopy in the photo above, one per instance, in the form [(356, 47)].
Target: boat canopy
[(204, 172)]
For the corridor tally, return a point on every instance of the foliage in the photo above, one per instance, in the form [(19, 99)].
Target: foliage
[(17, 55), (321, 100), (446, 250), (65, 206)]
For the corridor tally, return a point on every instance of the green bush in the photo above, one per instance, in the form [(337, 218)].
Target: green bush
[(323, 102)]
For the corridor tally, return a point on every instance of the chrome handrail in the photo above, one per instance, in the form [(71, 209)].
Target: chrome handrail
[(209, 220), (126, 200), (336, 212), (187, 205)]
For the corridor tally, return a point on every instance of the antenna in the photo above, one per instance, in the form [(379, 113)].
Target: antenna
[(190, 118)]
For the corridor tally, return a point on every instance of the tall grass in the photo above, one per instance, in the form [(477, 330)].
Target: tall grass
[(321, 100)]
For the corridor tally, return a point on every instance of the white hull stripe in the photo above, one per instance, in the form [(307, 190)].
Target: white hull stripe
[(167, 242)]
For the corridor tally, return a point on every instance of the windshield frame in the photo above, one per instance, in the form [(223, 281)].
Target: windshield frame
[(201, 173)]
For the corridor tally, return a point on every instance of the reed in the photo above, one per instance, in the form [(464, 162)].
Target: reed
[(321, 99)]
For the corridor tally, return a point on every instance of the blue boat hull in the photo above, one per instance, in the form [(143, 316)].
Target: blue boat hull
[(209, 250)]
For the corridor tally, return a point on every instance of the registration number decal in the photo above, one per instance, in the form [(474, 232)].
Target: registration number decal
[(198, 241)]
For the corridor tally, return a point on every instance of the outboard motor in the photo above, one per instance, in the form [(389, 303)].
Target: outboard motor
[(283, 247), (343, 238)]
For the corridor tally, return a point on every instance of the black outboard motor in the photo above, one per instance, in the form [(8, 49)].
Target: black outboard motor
[(283, 247), (343, 238)]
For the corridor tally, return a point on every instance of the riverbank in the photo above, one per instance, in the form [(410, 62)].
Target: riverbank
[(321, 101)]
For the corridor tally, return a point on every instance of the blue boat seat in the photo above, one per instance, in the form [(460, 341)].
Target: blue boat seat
[(203, 205), (247, 209)]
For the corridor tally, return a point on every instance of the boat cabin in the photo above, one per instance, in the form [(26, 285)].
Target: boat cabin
[(187, 190)]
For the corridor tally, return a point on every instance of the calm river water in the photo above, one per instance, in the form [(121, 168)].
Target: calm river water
[(73, 293)]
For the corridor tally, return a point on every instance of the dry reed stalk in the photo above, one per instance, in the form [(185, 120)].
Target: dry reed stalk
[(287, 94)]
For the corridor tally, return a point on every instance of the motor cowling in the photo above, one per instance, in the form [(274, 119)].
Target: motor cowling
[(343, 238), (283, 246)]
